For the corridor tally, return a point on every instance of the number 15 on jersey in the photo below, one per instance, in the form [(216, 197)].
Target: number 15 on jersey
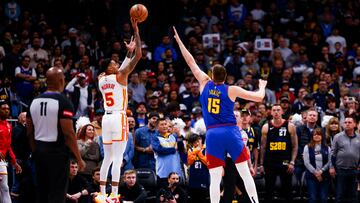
[(213, 105)]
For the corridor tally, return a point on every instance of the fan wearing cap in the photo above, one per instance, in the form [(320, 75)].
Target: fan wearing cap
[(222, 136), (81, 95), (72, 40), (285, 105), (113, 87)]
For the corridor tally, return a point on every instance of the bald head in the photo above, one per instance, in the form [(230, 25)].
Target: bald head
[(22, 118), (55, 79)]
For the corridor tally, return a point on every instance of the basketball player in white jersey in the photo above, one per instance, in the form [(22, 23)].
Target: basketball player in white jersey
[(113, 87)]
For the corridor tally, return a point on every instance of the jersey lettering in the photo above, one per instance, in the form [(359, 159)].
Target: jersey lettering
[(277, 146)]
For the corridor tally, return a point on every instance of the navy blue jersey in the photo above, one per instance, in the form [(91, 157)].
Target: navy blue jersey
[(217, 108)]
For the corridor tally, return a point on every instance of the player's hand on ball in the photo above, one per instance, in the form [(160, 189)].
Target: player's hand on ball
[(134, 23)]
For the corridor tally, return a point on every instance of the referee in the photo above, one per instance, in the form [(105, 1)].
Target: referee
[(51, 134)]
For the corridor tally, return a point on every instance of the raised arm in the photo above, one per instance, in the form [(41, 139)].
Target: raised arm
[(129, 67), (258, 96), (202, 77)]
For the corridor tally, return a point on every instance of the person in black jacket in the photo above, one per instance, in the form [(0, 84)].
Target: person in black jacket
[(173, 193), (79, 89), (130, 190), (21, 148)]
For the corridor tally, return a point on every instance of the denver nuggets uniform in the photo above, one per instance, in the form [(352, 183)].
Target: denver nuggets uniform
[(115, 103), (222, 136)]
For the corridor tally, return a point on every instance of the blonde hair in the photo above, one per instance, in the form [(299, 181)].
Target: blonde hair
[(329, 133)]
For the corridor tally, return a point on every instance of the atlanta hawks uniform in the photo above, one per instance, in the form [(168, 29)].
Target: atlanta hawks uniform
[(115, 127), (222, 136)]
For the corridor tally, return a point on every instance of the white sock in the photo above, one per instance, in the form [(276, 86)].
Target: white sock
[(215, 179), (106, 163), (103, 189), (249, 183), (114, 190)]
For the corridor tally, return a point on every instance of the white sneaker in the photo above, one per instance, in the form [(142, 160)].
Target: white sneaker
[(101, 198), (113, 199)]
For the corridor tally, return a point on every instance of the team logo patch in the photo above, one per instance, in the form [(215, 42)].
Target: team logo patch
[(68, 113)]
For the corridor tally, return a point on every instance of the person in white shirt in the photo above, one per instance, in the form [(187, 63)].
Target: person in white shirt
[(333, 39)]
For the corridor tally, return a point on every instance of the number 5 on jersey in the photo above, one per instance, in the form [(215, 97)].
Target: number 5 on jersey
[(213, 105), (109, 100)]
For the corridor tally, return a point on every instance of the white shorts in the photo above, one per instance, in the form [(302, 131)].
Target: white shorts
[(115, 127), (3, 169)]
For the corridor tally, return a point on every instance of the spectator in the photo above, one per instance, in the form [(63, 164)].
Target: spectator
[(144, 156), (140, 115), (321, 95), (252, 137), (36, 53), (25, 75), (94, 186), (21, 149), (345, 162), (336, 38), (71, 41), (283, 48), (12, 59), (81, 95), (172, 192), (159, 53), (317, 158), (76, 192), (130, 189), (208, 19), (89, 149), (165, 148), (154, 103), (198, 171), (304, 133), (128, 153), (97, 121), (137, 88), (332, 128), (192, 99), (236, 12)]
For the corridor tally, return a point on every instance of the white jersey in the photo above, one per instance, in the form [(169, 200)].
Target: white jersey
[(114, 94)]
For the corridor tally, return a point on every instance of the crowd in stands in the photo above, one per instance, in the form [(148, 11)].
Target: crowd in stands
[(312, 66)]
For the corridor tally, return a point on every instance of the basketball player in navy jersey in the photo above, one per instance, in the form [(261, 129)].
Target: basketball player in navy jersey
[(222, 134)]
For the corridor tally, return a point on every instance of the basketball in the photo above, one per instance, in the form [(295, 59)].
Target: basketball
[(139, 12)]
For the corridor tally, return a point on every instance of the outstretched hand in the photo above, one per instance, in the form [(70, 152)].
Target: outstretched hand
[(176, 35), (131, 45), (262, 83), (134, 23)]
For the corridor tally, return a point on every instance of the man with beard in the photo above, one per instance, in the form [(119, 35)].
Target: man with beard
[(36, 53), (144, 157)]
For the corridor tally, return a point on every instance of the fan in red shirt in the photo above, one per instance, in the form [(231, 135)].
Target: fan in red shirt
[(5, 148)]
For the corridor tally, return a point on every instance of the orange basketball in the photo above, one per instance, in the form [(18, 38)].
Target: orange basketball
[(139, 12)]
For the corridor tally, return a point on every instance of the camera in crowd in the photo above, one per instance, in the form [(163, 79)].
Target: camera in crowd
[(165, 196)]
